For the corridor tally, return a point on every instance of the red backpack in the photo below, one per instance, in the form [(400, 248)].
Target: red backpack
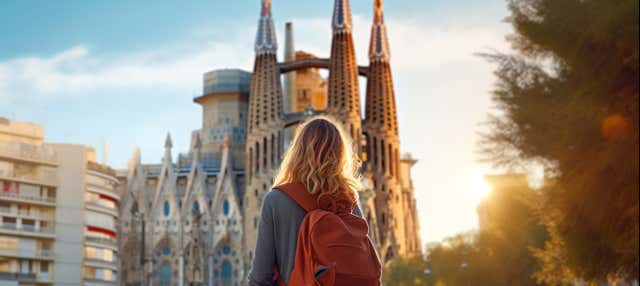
[(333, 249)]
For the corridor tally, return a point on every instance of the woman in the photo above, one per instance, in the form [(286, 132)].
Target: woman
[(322, 161)]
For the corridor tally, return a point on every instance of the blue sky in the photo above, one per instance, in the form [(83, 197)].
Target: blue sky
[(125, 72)]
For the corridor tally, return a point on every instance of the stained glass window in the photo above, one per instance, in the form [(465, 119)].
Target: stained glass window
[(225, 207)]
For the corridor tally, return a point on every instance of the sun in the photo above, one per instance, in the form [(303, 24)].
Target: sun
[(479, 188)]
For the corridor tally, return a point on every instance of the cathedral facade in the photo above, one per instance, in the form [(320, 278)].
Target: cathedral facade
[(192, 220)]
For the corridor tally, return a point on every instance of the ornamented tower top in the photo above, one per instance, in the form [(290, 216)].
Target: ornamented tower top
[(380, 110), (168, 144), (344, 95), (266, 42), (263, 148), (379, 45), (341, 17), (383, 144), (265, 102)]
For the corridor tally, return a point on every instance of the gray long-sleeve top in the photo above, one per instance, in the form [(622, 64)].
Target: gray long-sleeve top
[(277, 238)]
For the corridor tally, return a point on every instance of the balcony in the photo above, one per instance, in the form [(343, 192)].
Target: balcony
[(43, 177), (101, 263), (98, 281), (103, 169), (18, 197), (26, 214), (96, 206), (13, 228), (17, 276), (28, 153), (41, 254), (107, 191), (102, 241)]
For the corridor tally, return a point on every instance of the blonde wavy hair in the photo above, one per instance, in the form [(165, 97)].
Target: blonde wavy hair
[(322, 158)]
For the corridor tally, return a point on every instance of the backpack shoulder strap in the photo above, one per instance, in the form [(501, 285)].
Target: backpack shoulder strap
[(298, 193)]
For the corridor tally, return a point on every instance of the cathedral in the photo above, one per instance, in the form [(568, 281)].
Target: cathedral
[(192, 219)]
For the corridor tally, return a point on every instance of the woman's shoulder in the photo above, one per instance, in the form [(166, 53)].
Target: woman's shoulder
[(276, 196), (278, 199)]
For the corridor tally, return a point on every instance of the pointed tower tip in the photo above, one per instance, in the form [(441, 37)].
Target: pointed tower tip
[(136, 154), (266, 42), (167, 142), (266, 7), (377, 9), (341, 17), (197, 143), (227, 141), (379, 44)]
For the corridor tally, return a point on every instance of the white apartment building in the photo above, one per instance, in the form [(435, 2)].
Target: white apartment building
[(58, 211)]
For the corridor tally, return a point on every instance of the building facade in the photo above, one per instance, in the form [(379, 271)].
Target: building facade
[(192, 220), (58, 210), (181, 220)]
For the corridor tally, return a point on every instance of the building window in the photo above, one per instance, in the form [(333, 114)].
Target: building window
[(225, 207), (8, 243), (165, 274), (250, 164), (196, 207), (227, 269), (257, 158), (273, 150), (167, 208), (264, 155)]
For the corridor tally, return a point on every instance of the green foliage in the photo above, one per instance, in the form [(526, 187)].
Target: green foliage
[(500, 253), (569, 100), (408, 271)]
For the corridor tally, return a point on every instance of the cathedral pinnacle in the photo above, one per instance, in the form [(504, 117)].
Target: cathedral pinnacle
[(197, 146), (167, 141), (341, 17), (167, 148), (197, 143), (266, 42), (379, 44)]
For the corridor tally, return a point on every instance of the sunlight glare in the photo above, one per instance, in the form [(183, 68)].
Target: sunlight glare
[(480, 189)]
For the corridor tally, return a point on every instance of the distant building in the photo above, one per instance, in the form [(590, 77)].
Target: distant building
[(193, 219), (182, 220), (58, 210)]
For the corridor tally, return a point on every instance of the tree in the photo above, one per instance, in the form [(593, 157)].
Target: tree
[(510, 232), (448, 262), (405, 271), (500, 252), (568, 99)]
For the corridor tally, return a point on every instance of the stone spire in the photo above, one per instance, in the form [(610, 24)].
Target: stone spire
[(197, 147), (379, 44), (341, 17), (266, 42), (265, 124), (383, 143), (265, 99), (380, 109), (168, 144), (343, 91)]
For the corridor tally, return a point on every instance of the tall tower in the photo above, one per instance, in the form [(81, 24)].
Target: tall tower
[(290, 77), (381, 129), (344, 97), (265, 124)]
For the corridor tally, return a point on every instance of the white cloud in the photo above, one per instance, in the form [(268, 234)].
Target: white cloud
[(441, 90), (78, 71)]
